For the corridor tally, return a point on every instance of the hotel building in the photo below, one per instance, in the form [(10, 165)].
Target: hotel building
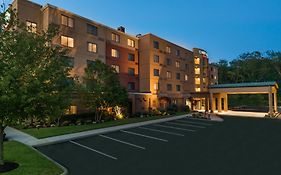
[(155, 72)]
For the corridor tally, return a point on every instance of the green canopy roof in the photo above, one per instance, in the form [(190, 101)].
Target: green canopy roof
[(237, 85)]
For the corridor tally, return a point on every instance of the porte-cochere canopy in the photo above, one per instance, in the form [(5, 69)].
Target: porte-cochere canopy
[(220, 91)]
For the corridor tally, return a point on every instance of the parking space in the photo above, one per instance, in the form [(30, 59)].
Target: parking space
[(131, 148)]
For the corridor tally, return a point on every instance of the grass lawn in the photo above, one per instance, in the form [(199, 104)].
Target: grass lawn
[(55, 131), (30, 162)]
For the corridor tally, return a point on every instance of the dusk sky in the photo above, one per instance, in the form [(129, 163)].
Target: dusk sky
[(224, 28)]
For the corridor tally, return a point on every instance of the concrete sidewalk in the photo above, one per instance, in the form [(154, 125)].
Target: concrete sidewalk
[(14, 134)]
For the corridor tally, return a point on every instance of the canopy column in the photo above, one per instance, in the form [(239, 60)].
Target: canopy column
[(275, 102), (270, 111), (219, 103)]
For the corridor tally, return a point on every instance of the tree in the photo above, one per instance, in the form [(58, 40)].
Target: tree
[(34, 77), (103, 89)]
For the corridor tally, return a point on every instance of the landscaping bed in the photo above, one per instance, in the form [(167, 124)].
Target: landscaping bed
[(29, 161), (56, 131)]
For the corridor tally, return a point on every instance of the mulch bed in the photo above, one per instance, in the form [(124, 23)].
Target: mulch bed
[(8, 166)]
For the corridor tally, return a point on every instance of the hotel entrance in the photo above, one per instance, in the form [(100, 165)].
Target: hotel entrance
[(199, 104)]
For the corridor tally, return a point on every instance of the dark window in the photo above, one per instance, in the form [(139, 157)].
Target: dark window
[(131, 57), (131, 71), (156, 44), (212, 76), (70, 61), (93, 30), (211, 68), (178, 87), (168, 61), (169, 87), (90, 62), (186, 66), (178, 52), (156, 58), (178, 76), (156, 72), (131, 86)]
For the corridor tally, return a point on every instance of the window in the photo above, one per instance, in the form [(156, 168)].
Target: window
[(90, 62), (115, 53), (169, 87), (131, 86), (70, 61), (204, 80), (155, 44), (131, 57), (116, 68), (169, 75), (92, 47), (212, 76), (91, 29), (131, 71), (197, 81), (178, 52), (198, 89), (156, 58), (177, 64), (212, 69), (67, 21), (31, 26), (168, 49), (186, 67), (178, 88), (156, 86), (115, 37), (186, 77), (168, 61), (156, 72), (67, 41), (178, 76), (197, 70), (131, 43), (196, 60), (71, 110)]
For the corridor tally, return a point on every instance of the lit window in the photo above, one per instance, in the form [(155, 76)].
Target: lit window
[(197, 70), (115, 37), (178, 88), (178, 76), (131, 86), (186, 77), (169, 75), (177, 64), (67, 21), (67, 41), (72, 110), (155, 44), (31, 26), (204, 80), (156, 72), (197, 80), (91, 29), (168, 49), (196, 60), (116, 68), (198, 89), (169, 87), (215, 77), (131, 43), (131, 57), (92, 47), (156, 86), (115, 53), (156, 58)]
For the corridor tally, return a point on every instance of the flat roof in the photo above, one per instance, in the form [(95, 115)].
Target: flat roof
[(251, 84)]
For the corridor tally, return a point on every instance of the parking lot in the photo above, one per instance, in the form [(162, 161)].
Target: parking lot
[(184, 146)]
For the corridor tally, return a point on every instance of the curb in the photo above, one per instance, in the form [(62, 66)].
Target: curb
[(68, 137), (65, 171)]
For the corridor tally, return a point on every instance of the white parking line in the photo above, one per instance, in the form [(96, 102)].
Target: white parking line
[(120, 141), (150, 137), (200, 119), (171, 127), (166, 132), (181, 124), (191, 122), (91, 149)]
